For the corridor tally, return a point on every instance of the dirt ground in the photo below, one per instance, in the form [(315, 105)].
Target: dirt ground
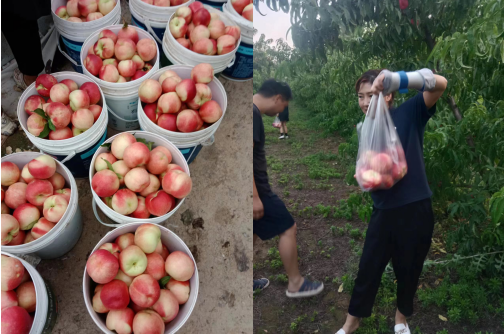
[(328, 248)]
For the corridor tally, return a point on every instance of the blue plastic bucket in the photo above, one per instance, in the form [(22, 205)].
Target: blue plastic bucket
[(215, 4), (243, 67)]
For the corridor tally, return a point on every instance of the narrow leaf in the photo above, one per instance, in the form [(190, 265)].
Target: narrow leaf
[(45, 132), (106, 145), (51, 125), (41, 112), (109, 166), (163, 281)]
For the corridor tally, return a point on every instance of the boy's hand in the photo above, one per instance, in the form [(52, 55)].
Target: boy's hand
[(258, 208), (378, 84)]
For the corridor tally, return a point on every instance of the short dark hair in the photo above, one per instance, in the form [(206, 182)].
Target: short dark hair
[(271, 87), (369, 77)]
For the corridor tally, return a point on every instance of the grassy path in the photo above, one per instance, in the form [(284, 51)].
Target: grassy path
[(307, 174)]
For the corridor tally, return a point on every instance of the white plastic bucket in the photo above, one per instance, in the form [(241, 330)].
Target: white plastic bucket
[(188, 143), (177, 158), (65, 234), (152, 18), (73, 34), (173, 243), (75, 152), (243, 67), (122, 98), (45, 309), (177, 54), (217, 4)]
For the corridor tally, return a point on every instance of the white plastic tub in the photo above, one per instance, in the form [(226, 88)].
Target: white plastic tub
[(173, 243), (65, 234), (188, 143), (45, 310), (177, 158), (152, 18), (177, 54), (75, 152), (122, 98), (243, 67), (74, 34)]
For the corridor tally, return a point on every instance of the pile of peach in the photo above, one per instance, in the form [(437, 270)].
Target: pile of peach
[(204, 33), (127, 273), (120, 58), (245, 8), (165, 3), (18, 297), (36, 195), (380, 170), (69, 111), (85, 10), (131, 168), (181, 105)]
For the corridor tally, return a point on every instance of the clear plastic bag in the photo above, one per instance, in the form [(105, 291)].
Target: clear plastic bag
[(380, 162), (277, 123)]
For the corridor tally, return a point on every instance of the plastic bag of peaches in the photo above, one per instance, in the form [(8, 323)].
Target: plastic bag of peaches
[(381, 162)]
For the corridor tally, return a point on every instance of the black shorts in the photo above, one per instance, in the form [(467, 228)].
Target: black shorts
[(284, 116), (276, 219)]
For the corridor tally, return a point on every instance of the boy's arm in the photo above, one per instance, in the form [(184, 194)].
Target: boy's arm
[(432, 96), (433, 85), (258, 207)]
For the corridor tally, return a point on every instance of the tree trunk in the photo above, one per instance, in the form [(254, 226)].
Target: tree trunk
[(458, 117)]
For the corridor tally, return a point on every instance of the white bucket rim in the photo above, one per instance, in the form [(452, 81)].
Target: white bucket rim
[(47, 144), (113, 215), (215, 125), (45, 240), (240, 20), (41, 296), (117, 86), (86, 280)]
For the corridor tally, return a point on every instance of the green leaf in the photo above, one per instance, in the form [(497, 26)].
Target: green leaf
[(106, 145), (109, 166), (144, 141), (51, 125), (41, 112), (44, 133), (163, 281)]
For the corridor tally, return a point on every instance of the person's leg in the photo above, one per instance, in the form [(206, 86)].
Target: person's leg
[(375, 256), (282, 133), (412, 242), (288, 253), (284, 124), (24, 42)]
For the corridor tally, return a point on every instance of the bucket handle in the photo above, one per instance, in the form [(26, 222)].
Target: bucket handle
[(114, 225), (151, 31), (232, 61), (117, 116), (66, 55), (67, 158)]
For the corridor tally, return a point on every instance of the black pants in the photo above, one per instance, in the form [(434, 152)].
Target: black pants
[(24, 41), (403, 234)]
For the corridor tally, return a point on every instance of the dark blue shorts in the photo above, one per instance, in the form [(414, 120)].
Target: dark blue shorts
[(276, 219)]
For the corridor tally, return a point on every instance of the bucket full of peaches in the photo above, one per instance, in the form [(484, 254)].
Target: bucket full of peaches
[(139, 177), (141, 279)]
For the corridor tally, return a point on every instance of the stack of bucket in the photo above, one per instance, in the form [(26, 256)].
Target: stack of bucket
[(188, 143), (73, 34), (177, 54), (76, 152), (122, 98), (242, 69)]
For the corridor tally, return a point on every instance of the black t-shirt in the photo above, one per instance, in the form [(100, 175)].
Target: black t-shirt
[(260, 167), (410, 119)]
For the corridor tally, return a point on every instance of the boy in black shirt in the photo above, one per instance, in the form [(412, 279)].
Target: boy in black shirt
[(271, 217)]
